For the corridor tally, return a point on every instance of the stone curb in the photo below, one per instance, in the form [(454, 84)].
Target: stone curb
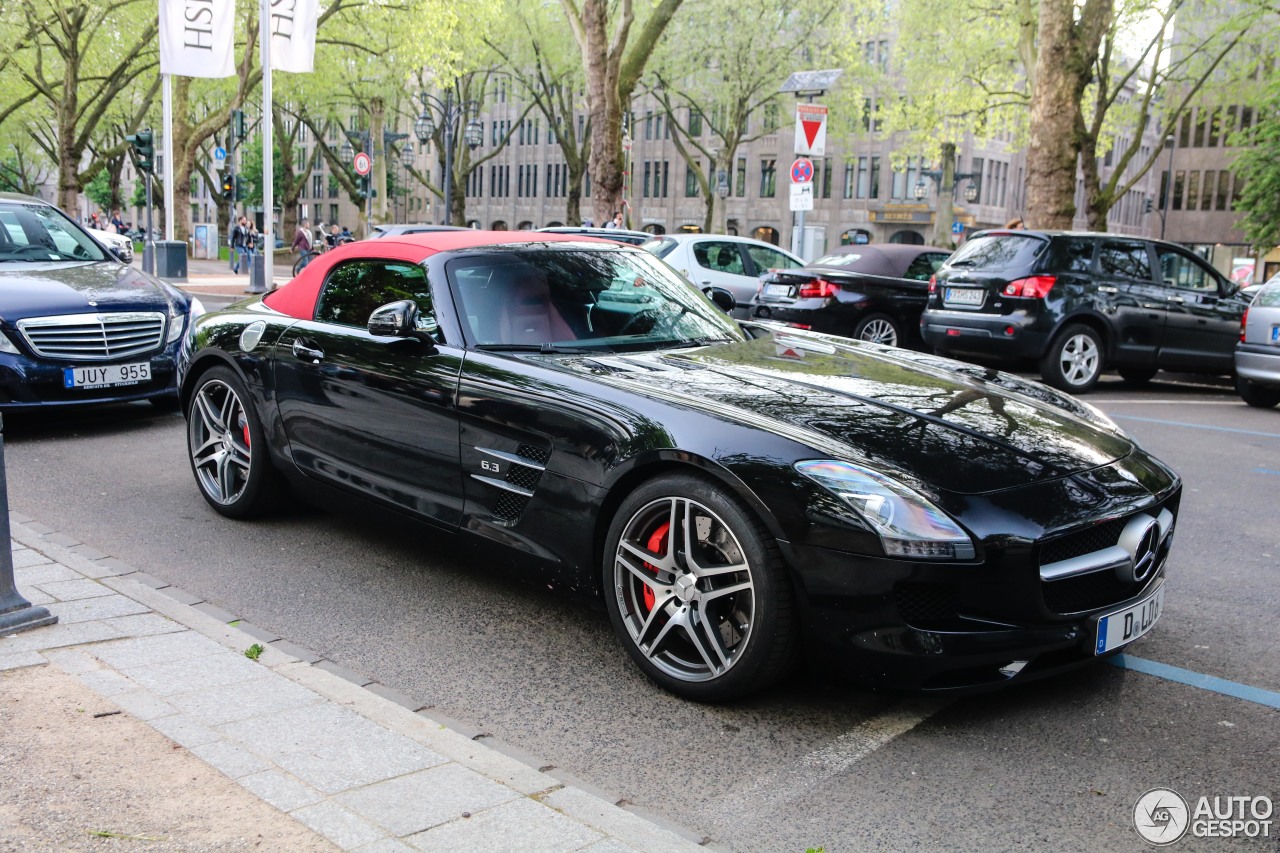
[(505, 765)]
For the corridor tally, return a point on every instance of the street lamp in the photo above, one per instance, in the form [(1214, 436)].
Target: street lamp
[(970, 192), (722, 191), (451, 115), (406, 160)]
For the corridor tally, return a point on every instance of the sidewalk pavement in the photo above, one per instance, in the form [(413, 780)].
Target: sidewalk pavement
[(363, 767)]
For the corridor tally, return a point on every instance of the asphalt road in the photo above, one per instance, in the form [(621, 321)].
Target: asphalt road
[(1056, 765)]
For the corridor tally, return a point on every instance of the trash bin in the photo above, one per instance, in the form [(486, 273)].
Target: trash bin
[(171, 260)]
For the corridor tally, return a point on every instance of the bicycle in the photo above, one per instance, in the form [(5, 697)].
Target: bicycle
[(307, 257)]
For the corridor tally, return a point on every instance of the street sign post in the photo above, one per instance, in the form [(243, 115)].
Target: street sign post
[(219, 158), (957, 227), (802, 171), (362, 163)]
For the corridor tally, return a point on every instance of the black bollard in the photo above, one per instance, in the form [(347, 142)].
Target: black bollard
[(16, 613)]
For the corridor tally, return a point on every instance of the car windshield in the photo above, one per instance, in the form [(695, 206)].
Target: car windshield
[(998, 253), (573, 300), (38, 232), (660, 246)]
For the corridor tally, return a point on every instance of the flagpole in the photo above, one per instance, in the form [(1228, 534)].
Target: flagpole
[(262, 275), (166, 101)]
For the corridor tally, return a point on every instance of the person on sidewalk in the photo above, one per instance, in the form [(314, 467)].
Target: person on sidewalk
[(238, 250), (302, 243), (252, 243)]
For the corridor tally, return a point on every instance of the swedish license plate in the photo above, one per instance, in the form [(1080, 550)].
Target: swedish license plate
[(777, 290), (1124, 626), (106, 375), (963, 296)]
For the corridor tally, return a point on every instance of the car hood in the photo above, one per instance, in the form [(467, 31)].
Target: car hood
[(46, 289), (960, 428)]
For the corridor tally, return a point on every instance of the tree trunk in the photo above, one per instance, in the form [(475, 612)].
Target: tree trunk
[(605, 110), (183, 159), (1095, 204), (378, 147), (1064, 67), (945, 214)]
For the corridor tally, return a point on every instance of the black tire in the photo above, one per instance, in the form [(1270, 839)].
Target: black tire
[(235, 475), (878, 328), (1258, 396), (754, 639), (1136, 375), (1074, 360)]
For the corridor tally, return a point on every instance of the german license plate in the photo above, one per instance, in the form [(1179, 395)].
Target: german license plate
[(777, 290), (963, 296), (1124, 626), (106, 375)]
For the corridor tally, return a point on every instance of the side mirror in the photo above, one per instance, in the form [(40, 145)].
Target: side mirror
[(722, 298), (399, 320)]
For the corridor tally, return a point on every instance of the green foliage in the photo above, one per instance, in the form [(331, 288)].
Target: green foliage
[(251, 171), (255, 651), (98, 190), (1259, 166)]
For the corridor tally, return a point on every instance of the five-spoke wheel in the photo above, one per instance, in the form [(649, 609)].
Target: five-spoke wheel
[(696, 591), (1074, 360), (224, 441)]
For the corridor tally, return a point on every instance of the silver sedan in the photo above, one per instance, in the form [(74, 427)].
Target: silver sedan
[(1258, 353)]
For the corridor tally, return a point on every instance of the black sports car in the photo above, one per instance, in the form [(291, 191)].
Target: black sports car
[(78, 326), (735, 493), (870, 292)]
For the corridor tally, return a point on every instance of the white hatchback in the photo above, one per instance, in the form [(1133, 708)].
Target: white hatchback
[(720, 260)]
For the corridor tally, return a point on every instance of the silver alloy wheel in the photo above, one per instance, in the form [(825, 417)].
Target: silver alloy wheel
[(218, 437), (684, 589), (1079, 359), (880, 331)]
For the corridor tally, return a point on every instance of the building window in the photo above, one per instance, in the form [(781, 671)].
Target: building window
[(690, 182), (1193, 190), (826, 177), (1179, 180), (848, 180), (740, 180), (695, 123), (333, 213), (1214, 118), (1224, 189), (768, 178), (666, 172), (1199, 138), (1206, 196), (897, 186), (866, 114), (863, 178), (648, 125), (645, 194), (1184, 131), (875, 175)]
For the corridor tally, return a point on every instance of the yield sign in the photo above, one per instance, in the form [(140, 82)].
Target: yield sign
[(811, 129)]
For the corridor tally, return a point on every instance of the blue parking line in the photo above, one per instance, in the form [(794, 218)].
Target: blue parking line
[(1265, 471), (1195, 426), (1197, 679)]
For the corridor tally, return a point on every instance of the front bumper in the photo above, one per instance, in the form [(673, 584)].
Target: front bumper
[(27, 382), (939, 627)]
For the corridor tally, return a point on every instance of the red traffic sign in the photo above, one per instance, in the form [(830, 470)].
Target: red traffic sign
[(802, 171), (363, 163)]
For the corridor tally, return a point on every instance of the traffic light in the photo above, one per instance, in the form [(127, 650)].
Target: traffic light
[(144, 149), (1150, 206), (229, 187), (242, 190), (237, 125)]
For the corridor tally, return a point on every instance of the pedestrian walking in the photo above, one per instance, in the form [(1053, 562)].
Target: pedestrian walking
[(239, 235), (252, 244), (302, 243)]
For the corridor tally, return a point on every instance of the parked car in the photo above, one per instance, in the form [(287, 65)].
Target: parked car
[(873, 293), (619, 235), (1083, 303), (736, 493), (380, 231), (1258, 351), (721, 260), (118, 244), (79, 326)]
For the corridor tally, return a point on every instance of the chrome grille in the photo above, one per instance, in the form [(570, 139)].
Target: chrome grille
[(94, 337)]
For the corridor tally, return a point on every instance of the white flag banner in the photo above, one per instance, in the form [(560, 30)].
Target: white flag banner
[(197, 38), (293, 35)]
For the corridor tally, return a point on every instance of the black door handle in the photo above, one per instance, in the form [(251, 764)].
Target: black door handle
[(302, 350)]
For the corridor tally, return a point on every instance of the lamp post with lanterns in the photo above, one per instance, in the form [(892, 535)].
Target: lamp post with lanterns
[(946, 179), (406, 160), (452, 115)]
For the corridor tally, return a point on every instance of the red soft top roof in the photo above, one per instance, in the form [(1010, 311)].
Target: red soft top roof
[(298, 297)]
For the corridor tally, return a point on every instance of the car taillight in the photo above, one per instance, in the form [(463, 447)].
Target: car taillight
[(818, 289), (933, 284), (1244, 320), (1035, 287)]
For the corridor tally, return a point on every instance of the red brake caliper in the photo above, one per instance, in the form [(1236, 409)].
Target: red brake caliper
[(657, 544), (244, 426)]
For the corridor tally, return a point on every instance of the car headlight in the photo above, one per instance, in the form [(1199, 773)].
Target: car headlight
[(908, 524), (177, 322)]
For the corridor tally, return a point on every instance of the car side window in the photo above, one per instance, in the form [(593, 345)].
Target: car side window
[(722, 257), (925, 266), (355, 289), (1071, 254), (1124, 259), (770, 259), (1185, 272)]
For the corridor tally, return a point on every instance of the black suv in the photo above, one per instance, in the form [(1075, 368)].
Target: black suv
[(1082, 303)]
